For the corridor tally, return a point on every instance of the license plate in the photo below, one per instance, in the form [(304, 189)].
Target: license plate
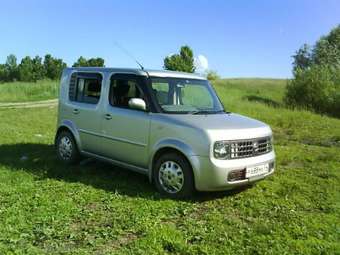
[(257, 170)]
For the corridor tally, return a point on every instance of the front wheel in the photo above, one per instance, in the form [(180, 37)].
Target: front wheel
[(66, 147), (173, 176)]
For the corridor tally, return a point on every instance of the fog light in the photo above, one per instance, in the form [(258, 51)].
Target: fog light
[(271, 166), (237, 175)]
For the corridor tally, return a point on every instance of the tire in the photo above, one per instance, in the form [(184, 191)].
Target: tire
[(66, 148), (173, 176)]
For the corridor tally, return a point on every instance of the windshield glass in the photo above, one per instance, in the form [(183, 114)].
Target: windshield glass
[(176, 95)]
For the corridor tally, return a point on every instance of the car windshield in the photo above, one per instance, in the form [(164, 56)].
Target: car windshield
[(193, 96)]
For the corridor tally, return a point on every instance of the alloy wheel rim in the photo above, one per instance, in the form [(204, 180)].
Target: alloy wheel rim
[(171, 177), (65, 148)]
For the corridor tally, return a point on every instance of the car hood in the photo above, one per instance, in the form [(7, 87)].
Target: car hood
[(223, 126)]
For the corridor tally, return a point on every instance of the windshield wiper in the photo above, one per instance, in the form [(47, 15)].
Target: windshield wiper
[(206, 112)]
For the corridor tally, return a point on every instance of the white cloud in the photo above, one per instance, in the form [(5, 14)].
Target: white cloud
[(201, 64)]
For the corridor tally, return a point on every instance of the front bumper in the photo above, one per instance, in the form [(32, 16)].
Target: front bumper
[(212, 174)]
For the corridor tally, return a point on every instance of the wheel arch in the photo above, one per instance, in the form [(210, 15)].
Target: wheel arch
[(70, 127), (169, 146)]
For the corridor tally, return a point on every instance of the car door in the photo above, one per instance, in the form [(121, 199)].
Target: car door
[(126, 130), (84, 108)]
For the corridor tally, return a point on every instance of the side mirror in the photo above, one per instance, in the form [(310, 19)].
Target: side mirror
[(137, 103)]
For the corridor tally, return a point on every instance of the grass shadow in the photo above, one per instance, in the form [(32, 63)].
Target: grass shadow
[(40, 160), (263, 100), (202, 197)]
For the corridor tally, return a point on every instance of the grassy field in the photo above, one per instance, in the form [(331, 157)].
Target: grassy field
[(28, 91), (46, 208)]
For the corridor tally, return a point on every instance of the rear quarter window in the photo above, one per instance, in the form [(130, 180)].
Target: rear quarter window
[(85, 87)]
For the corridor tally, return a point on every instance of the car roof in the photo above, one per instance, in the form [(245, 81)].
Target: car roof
[(153, 73)]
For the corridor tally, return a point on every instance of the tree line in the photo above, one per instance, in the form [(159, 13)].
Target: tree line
[(316, 76), (38, 68)]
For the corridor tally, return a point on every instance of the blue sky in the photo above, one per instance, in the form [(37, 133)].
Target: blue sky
[(239, 38)]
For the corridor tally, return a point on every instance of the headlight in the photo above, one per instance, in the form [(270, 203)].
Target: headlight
[(221, 150)]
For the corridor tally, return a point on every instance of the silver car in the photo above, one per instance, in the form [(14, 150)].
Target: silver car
[(170, 126)]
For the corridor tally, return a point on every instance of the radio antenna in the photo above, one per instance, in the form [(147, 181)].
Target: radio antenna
[(129, 54)]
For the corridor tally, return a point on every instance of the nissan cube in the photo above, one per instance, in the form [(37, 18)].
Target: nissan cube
[(170, 126)]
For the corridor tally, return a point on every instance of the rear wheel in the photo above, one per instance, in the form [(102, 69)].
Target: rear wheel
[(173, 176), (67, 150)]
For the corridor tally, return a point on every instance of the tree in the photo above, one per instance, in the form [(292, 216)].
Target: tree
[(316, 82), (26, 69), (53, 67), (80, 62), (31, 69), (9, 70), (4, 74), (12, 66), (183, 62), (316, 89), (94, 62), (11, 61), (327, 50), (39, 72), (302, 58)]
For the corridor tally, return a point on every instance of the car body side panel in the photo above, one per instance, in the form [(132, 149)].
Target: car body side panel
[(125, 136), (85, 118)]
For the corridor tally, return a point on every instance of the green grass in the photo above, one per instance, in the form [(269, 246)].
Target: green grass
[(28, 91), (101, 209)]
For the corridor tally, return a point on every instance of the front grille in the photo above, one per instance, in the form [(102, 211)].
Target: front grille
[(250, 148)]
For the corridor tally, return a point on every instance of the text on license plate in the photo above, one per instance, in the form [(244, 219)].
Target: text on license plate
[(257, 170)]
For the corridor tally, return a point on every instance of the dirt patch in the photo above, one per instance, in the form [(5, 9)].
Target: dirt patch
[(45, 103)]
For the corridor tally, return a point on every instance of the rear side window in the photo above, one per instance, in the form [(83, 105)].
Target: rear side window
[(85, 87)]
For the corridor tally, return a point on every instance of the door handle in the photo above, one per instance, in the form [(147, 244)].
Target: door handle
[(75, 111), (108, 116)]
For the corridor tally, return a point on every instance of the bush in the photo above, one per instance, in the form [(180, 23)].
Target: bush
[(316, 82), (316, 88), (212, 75)]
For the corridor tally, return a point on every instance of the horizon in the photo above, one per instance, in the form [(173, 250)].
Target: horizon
[(239, 39)]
